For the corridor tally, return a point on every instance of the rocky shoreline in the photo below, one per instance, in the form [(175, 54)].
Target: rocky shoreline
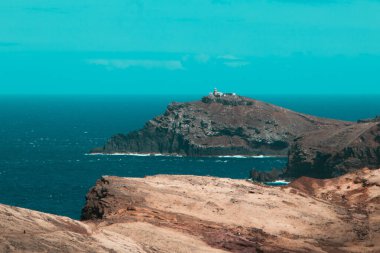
[(219, 126), (178, 155), (173, 213), (206, 214), (238, 126)]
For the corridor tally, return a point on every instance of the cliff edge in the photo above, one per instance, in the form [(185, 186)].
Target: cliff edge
[(219, 124), (310, 215), (207, 215), (332, 152)]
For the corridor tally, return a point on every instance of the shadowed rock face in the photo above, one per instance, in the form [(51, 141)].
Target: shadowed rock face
[(333, 152), (376, 119), (266, 176), (230, 125)]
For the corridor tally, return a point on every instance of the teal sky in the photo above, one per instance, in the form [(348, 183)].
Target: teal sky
[(189, 46)]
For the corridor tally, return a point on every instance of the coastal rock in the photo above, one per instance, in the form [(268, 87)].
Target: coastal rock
[(266, 176), (333, 152), (207, 215), (23, 230), (226, 125), (309, 215), (376, 119)]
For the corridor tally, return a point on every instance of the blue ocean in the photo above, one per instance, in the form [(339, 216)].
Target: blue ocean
[(44, 141)]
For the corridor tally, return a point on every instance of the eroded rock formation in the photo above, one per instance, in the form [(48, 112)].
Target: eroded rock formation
[(205, 214), (229, 125), (332, 152), (310, 215), (266, 176)]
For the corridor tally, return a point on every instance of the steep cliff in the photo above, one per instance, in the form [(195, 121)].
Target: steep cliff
[(333, 152), (310, 215), (182, 214), (228, 125)]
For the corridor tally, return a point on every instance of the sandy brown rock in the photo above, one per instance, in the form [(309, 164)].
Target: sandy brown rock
[(207, 215), (359, 194), (338, 215), (23, 230)]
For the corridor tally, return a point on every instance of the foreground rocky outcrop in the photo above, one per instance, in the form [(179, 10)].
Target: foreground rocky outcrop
[(23, 230), (332, 152), (227, 125), (337, 215), (205, 214)]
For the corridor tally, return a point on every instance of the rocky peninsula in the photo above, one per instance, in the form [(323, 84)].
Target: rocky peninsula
[(206, 214), (227, 124), (220, 124)]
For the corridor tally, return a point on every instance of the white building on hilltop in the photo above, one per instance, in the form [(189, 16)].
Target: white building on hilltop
[(216, 93)]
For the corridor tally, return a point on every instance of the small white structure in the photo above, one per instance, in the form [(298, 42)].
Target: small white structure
[(216, 93)]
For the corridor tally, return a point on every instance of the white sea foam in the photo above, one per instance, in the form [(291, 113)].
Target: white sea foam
[(176, 155), (281, 181), (133, 154), (245, 156), (277, 182), (232, 156)]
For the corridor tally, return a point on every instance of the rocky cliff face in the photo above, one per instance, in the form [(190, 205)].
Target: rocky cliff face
[(207, 215), (310, 215), (333, 152), (230, 125)]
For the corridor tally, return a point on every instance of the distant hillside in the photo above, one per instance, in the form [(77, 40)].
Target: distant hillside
[(219, 124), (334, 152)]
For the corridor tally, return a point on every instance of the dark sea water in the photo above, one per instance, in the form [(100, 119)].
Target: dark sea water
[(44, 141)]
